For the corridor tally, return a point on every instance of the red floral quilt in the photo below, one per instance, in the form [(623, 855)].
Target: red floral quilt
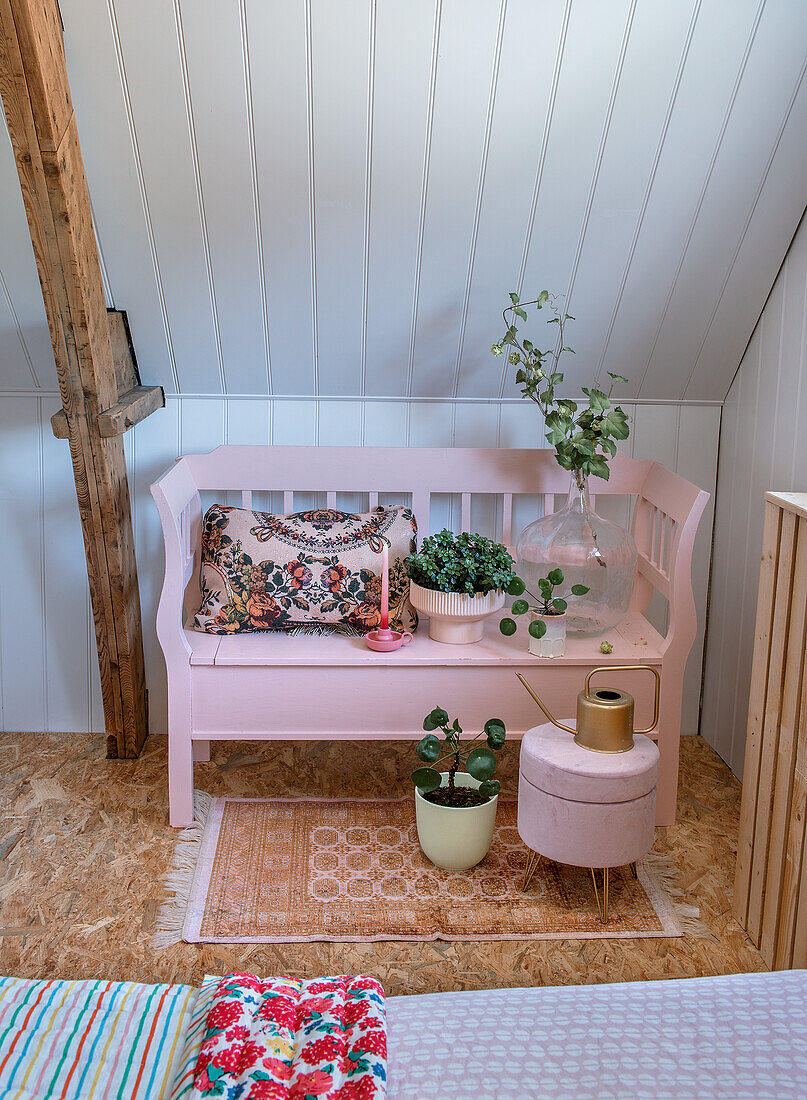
[(283, 1039)]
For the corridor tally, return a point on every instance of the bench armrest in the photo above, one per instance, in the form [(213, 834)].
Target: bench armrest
[(179, 505), (665, 522)]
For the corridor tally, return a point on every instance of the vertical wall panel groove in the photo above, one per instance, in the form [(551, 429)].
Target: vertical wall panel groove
[(539, 170), (141, 181), (312, 206), (18, 328), (649, 186), (200, 196), (744, 231), (424, 192), (763, 447), (256, 190), (368, 193), (480, 190), (609, 114), (704, 190)]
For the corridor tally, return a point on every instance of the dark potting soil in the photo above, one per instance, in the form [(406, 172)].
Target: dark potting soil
[(460, 797)]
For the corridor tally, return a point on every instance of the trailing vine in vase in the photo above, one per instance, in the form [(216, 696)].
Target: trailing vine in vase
[(584, 433)]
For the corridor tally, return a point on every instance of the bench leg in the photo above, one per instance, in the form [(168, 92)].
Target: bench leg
[(180, 780), (667, 792), (201, 752)]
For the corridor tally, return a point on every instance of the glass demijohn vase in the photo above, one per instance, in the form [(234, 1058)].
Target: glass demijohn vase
[(590, 550)]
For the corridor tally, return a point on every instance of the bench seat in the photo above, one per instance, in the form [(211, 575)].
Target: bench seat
[(635, 641), (281, 687)]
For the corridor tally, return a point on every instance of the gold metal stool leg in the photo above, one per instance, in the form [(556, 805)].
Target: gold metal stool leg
[(533, 860), (602, 907)]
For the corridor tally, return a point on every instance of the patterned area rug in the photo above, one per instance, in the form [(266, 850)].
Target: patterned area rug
[(285, 870)]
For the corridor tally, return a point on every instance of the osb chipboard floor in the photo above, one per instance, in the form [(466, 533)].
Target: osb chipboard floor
[(84, 844)]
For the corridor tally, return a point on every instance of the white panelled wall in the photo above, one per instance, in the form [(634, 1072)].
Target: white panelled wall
[(325, 204), (48, 666), (763, 446)]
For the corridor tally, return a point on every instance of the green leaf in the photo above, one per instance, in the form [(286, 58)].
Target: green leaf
[(617, 422), (481, 763), (579, 589), (428, 748), (537, 628), (435, 720), (617, 377), (545, 585), (490, 787), (508, 627), (426, 779), (516, 587), (555, 576), (514, 298), (543, 297), (520, 607), (496, 732), (519, 312), (559, 604), (599, 467)]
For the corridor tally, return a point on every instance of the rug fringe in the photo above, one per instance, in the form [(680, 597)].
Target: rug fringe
[(179, 880), (687, 916)]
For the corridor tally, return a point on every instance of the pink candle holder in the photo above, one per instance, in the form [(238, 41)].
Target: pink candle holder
[(385, 640)]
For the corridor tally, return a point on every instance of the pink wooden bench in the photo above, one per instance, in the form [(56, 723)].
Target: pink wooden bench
[(275, 686)]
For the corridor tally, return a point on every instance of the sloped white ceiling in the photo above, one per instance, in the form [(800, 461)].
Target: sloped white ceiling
[(321, 197)]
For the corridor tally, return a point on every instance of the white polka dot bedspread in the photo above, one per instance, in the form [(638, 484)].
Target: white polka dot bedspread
[(742, 1037)]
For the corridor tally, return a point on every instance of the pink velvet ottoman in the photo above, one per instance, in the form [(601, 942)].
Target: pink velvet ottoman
[(588, 809)]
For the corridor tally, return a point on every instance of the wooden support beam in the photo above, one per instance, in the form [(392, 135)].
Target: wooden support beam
[(135, 401), (135, 405), (42, 125)]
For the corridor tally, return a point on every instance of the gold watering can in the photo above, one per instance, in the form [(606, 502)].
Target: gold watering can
[(604, 718)]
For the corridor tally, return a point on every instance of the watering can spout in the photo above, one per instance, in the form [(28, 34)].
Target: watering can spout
[(604, 716)]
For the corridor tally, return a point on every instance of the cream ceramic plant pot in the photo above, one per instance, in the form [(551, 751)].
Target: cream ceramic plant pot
[(455, 617), (553, 643), (452, 837)]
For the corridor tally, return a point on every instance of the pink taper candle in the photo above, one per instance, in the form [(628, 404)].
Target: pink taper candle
[(384, 586)]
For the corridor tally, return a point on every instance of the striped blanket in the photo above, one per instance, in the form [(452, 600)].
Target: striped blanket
[(91, 1040)]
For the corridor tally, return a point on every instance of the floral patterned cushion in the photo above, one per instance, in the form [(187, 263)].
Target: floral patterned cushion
[(276, 1038), (266, 572)]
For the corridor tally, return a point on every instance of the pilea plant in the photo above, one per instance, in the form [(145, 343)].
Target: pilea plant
[(545, 604), (461, 563), (478, 760), (584, 440)]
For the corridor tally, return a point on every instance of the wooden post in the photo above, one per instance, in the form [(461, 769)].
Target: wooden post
[(42, 125)]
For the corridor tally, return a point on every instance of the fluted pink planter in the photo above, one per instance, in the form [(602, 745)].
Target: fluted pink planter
[(455, 617)]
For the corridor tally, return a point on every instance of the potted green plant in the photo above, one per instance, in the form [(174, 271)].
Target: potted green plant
[(455, 810), (458, 580), (547, 629), (584, 434)]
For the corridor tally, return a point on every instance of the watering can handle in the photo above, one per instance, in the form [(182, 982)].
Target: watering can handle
[(633, 668)]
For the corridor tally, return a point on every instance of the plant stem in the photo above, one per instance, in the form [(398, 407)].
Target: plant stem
[(452, 771), (580, 481)]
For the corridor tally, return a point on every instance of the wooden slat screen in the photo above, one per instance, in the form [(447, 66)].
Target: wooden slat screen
[(770, 893)]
